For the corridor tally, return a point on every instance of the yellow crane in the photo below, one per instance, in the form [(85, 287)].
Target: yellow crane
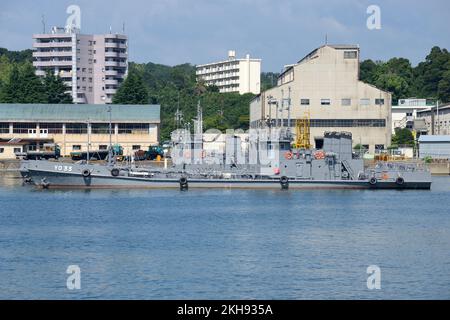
[(303, 132)]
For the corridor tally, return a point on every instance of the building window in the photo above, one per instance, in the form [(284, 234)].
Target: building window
[(2, 150), (100, 128), (346, 102), (304, 102), (364, 102), (53, 128), (349, 123), (76, 128), (134, 128), (325, 102), (350, 55), (103, 147), (136, 147), (76, 147), (17, 150), (23, 127), (379, 147), (4, 127), (379, 102)]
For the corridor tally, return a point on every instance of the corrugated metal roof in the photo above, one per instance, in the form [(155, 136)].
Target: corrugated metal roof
[(79, 112), (434, 138)]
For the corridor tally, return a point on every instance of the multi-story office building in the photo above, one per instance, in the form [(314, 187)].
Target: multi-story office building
[(232, 75), (92, 66), (325, 87)]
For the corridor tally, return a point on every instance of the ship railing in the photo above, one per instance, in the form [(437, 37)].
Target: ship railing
[(401, 166)]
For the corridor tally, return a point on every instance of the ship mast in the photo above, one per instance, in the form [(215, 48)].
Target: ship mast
[(110, 152)]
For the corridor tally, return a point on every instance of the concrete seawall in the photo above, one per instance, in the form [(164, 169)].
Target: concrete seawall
[(440, 169), (9, 165)]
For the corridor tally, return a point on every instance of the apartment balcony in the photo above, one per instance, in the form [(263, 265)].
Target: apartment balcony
[(110, 91), (111, 72), (116, 64), (65, 44), (52, 63), (50, 54), (116, 55), (65, 74), (115, 45), (112, 82), (80, 100)]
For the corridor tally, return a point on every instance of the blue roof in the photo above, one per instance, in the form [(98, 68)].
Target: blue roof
[(434, 138), (79, 112)]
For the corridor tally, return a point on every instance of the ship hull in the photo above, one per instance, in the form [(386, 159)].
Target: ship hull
[(58, 180)]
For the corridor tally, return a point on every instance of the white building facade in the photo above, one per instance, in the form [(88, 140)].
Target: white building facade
[(92, 66), (232, 75), (324, 86), (404, 114)]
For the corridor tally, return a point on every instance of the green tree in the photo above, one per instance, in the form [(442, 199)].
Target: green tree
[(402, 137), (268, 80), (11, 89), (428, 74), (31, 88), (444, 87), (56, 90), (132, 90), (5, 68)]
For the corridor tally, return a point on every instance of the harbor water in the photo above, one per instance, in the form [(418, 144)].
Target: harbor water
[(224, 244)]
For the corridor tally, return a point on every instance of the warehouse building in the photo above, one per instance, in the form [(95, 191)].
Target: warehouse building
[(74, 126), (436, 147), (324, 87)]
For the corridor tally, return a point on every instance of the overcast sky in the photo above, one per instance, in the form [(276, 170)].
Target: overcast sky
[(279, 32)]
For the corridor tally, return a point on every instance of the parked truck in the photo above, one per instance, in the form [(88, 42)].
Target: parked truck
[(48, 151)]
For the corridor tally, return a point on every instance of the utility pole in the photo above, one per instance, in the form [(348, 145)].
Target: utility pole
[(110, 153), (289, 115), (437, 111)]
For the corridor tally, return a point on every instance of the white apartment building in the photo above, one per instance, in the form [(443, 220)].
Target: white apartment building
[(232, 75), (325, 87), (92, 66)]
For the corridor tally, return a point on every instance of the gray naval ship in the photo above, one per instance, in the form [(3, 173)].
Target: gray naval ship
[(334, 166)]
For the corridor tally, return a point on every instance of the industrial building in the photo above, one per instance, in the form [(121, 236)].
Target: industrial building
[(325, 89), (73, 127), (436, 147), (232, 75), (92, 66), (436, 119)]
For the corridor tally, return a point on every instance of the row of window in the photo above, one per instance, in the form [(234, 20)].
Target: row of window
[(344, 102), (75, 128), (328, 123), (16, 150)]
